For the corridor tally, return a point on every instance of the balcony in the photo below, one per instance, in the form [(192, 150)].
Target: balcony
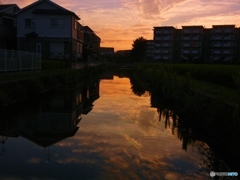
[(186, 38), (223, 30), (165, 51), (186, 31), (196, 31), (166, 45), (185, 52), (217, 45), (216, 52), (185, 45), (217, 30), (158, 38), (167, 32), (167, 38), (229, 38), (228, 30), (228, 45), (227, 52), (216, 37), (195, 52), (196, 38)]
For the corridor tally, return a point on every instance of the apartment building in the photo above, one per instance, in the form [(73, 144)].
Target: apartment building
[(192, 43), (164, 43), (106, 50), (221, 43), (150, 50)]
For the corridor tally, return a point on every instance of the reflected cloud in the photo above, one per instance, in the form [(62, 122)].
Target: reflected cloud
[(133, 141), (113, 138)]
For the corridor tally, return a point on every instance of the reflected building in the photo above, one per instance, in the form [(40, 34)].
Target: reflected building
[(58, 118), (90, 94), (54, 119)]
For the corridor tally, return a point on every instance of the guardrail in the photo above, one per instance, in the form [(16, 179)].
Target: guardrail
[(11, 60)]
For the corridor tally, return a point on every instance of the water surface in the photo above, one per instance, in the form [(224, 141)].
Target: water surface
[(120, 137)]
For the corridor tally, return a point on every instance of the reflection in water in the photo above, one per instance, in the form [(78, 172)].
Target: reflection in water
[(187, 131), (55, 117), (123, 137)]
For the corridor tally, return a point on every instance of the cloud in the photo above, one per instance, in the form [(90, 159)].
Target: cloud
[(153, 9)]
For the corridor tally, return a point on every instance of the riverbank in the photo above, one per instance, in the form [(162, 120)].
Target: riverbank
[(221, 82)]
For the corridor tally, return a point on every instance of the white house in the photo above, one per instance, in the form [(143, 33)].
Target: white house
[(47, 28)]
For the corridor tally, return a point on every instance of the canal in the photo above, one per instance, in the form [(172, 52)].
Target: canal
[(99, 130)]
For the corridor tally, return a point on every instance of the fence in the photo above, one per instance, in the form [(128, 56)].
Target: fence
[(11, 60)]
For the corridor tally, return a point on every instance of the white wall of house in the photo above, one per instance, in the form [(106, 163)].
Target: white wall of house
[(43, 24)]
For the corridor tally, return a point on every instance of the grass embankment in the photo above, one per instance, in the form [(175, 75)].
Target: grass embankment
[(221, 82), (15, 86)]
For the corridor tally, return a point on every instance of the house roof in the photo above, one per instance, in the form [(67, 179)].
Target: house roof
[(6, 6), (55, 11), (87, 28), (164, 27), (193, 27), (60, 8), (226, 25)]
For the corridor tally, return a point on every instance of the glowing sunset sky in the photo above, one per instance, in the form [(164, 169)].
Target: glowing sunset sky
[(119, 22)]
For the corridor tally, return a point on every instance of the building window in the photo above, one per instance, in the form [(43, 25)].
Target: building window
[(29, 23), (57, 22), (75, 25)]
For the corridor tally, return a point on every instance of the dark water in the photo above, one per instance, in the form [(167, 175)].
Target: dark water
[(98, 130)]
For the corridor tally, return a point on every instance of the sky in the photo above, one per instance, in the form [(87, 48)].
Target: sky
[(119, 22)]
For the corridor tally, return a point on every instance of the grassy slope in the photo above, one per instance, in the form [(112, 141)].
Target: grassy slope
[(216, 81)]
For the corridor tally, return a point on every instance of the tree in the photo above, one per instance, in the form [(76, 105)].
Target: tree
[(138, 52)]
